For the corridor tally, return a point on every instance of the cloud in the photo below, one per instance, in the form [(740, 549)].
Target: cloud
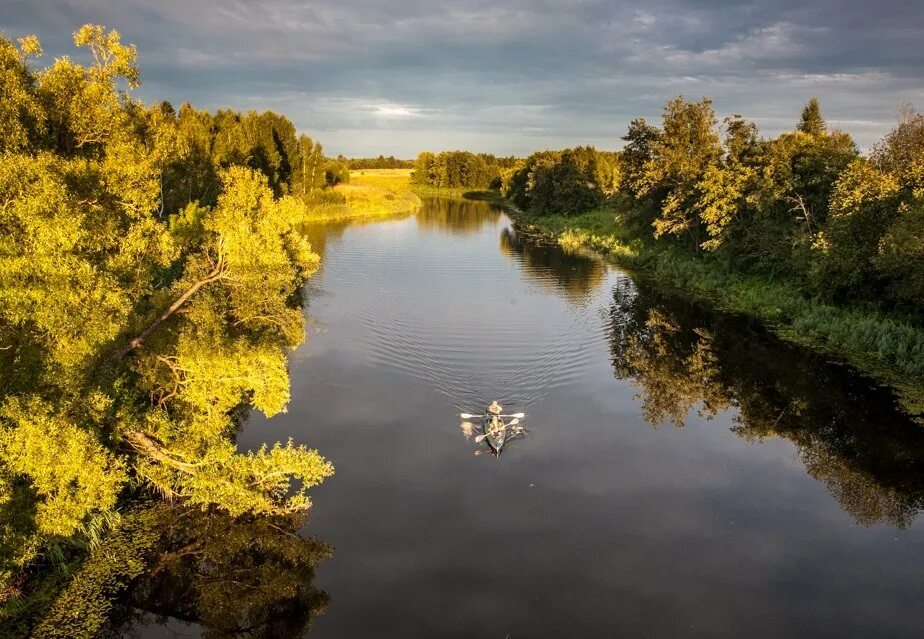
[(508, 76)]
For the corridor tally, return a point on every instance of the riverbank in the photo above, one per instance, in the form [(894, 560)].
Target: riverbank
[(425, 190), (889, 349), (370, 193)]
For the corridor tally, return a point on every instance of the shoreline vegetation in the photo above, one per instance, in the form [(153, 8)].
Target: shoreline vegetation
[(882, 346), (821, 243)]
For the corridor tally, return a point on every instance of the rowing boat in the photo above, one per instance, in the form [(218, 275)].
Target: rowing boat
[(495, 431)]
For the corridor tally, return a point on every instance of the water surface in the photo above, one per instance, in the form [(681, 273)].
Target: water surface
[(683, 474)]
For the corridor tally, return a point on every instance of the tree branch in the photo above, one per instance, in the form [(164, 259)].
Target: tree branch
[(146, 445), (218, 272)]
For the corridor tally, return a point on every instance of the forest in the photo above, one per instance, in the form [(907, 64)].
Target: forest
[(459, 170), (150, 277)]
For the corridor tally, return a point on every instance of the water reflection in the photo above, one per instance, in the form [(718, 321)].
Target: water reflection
[(849, 435), (250, 577), (169, 570), (319, 234), (575, 276), (458, 216)]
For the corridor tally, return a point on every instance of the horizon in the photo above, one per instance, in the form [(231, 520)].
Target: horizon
[(507, 77)]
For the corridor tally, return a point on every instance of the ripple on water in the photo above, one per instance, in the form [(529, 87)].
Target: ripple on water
[(472, 357), (479, 320)]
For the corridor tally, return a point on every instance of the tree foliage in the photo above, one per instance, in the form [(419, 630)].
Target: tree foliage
[(381, 162), (566, 182), (150, 277), (803, 205), (458, 169)]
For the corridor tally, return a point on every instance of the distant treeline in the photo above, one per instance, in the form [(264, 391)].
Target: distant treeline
[(804, 205), (459, 169), (380, 162)]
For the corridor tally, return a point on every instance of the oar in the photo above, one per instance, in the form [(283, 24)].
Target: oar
[(471, 416)]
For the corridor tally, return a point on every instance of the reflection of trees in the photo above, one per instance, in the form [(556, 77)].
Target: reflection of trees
[(458, 216), (319, 233), (850, 435), (234, 577), (674, 373), (573, 274)]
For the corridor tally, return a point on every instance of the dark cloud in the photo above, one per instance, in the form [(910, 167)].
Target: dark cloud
[(513, 75)]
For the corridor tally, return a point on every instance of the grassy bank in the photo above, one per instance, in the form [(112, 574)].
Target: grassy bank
[(889, 349), (370, 193), (425, 190)]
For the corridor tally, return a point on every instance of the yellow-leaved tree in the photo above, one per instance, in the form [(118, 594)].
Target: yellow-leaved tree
[(144, 307)]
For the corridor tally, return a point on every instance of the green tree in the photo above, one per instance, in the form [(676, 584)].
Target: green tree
[(423, 168), (864, 204), (687, 146), (900, 258), (308, 168), (22, 118), (138, 324), (811, 121), (637, 154)]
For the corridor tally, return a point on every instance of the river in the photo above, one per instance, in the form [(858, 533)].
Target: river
[(682, 472)]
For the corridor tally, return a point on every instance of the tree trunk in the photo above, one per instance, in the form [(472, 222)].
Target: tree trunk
[(216, 274), (144, 444)]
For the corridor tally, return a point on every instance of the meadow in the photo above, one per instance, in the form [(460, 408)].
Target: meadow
[(369, 193)]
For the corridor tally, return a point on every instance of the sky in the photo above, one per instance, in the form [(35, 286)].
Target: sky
[(507, 76)]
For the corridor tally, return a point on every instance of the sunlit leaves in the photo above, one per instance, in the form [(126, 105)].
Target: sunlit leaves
[(720, 198), (141, 322), (70, 472), (21, 114), (47, 278), (680, 155)]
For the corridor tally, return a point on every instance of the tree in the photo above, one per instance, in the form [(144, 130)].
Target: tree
[(140, 324), (811, 122), (423, 168), (22, 119), (900, 258), (84, 105), (336, 173), (901, 152), (864, 204), (637, 153), (687, 146), (307, 168)]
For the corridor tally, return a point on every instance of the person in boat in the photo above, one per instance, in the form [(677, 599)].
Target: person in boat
[(493, 424)]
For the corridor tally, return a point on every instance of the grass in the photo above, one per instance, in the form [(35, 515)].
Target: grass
[(393, 179), (370, 193), (890, 349), (427, 190)]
